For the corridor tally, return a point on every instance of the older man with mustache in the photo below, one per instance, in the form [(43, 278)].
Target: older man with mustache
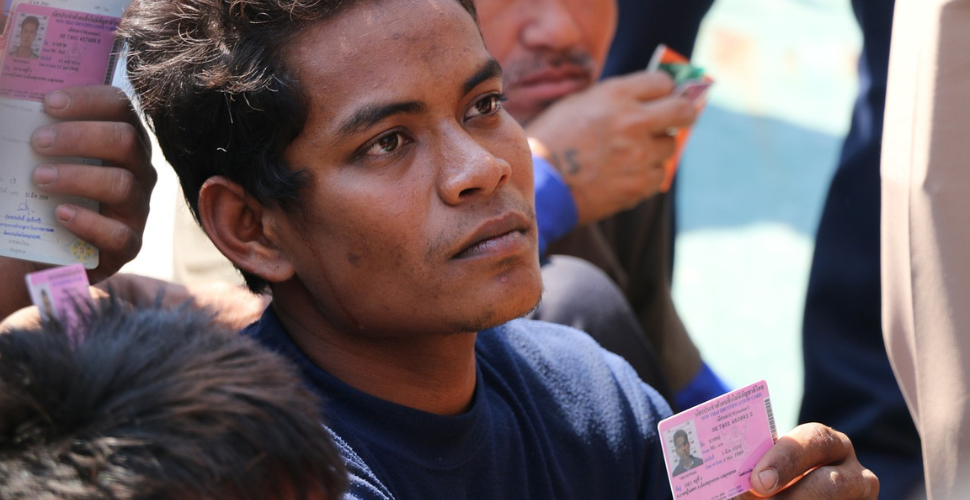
[(598, 150)]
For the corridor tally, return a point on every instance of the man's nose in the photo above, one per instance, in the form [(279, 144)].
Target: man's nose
[(469, 169), (552, 27)]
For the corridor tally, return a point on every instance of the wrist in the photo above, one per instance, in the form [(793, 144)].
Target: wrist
[(540, 150)]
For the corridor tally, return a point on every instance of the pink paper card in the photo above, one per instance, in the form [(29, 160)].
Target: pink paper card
[(711, 448), (66, 48), (695, 91), (58, 292)]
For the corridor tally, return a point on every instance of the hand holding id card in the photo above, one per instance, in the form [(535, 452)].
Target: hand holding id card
[(711, 449)]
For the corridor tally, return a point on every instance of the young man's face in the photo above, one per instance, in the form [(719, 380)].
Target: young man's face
[(418, 214), (683, 447), (28, 32), (548, 48)]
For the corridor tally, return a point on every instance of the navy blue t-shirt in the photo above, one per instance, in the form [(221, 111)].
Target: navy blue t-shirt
[(554, 416)]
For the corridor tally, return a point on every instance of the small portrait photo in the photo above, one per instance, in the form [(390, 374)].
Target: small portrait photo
[(42, 297), (684, 449), (27, 36)]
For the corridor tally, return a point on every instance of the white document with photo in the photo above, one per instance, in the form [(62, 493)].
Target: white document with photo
[(46, 45)]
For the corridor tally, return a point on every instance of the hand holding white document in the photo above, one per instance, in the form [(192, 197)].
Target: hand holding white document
[(47, 45)]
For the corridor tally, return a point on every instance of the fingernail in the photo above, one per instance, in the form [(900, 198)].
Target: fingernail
[(44, 175), (769, 479), (43, 138), (65, 213), (57, 100)]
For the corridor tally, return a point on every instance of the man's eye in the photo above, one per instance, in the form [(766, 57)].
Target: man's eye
[(488, 105), (387, 145)]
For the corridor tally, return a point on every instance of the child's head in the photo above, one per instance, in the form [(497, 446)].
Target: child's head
[(156, 404)]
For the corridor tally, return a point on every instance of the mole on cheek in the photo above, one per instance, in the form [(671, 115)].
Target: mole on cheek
[(353, 258)]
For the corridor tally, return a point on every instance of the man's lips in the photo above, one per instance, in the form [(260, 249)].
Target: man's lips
[(499, 236), (551, 83)]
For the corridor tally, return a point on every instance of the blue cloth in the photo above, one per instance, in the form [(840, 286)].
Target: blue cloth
[(553, 416), (556, 213), (849, 383), (363, 484), (705, 386)]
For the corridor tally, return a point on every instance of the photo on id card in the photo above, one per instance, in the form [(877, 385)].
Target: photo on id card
[(711, 449)]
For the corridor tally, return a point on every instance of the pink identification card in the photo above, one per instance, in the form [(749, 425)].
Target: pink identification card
[(711, 448), (69, 48), (58, 292)]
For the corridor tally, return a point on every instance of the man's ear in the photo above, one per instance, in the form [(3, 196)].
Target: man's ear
[(239, 226)]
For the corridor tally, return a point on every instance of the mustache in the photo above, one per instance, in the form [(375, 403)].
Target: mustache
[(517, 71), (446, 242)]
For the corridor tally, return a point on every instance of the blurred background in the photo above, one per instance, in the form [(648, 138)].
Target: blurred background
[(753, 179), (750, 188)]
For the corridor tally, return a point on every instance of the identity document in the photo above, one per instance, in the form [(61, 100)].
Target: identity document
[(46, 45)]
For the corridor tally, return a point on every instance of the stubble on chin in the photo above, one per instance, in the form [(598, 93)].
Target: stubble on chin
[(491, 319), (499, 314)]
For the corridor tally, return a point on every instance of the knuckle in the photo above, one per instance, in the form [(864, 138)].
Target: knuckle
[(830, 485), (124, 187), (125, 136), (817, 431), (872, 484), (126, 242), (98, 95), (842, 484), (150, 175), (661, 81), (842, 438), (824, 438), (118, 96)]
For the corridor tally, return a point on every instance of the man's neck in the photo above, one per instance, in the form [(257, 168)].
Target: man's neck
[(24, 51), (432, 373)]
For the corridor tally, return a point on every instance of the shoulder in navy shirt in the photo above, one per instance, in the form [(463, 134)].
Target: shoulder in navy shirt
[(553, 416)]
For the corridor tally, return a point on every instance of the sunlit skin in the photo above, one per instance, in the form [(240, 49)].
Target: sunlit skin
[(548, 48), (28, 33), (417, 226)]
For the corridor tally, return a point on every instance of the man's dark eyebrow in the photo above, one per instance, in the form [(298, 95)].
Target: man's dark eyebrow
[(370, 115), (487, 71)]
